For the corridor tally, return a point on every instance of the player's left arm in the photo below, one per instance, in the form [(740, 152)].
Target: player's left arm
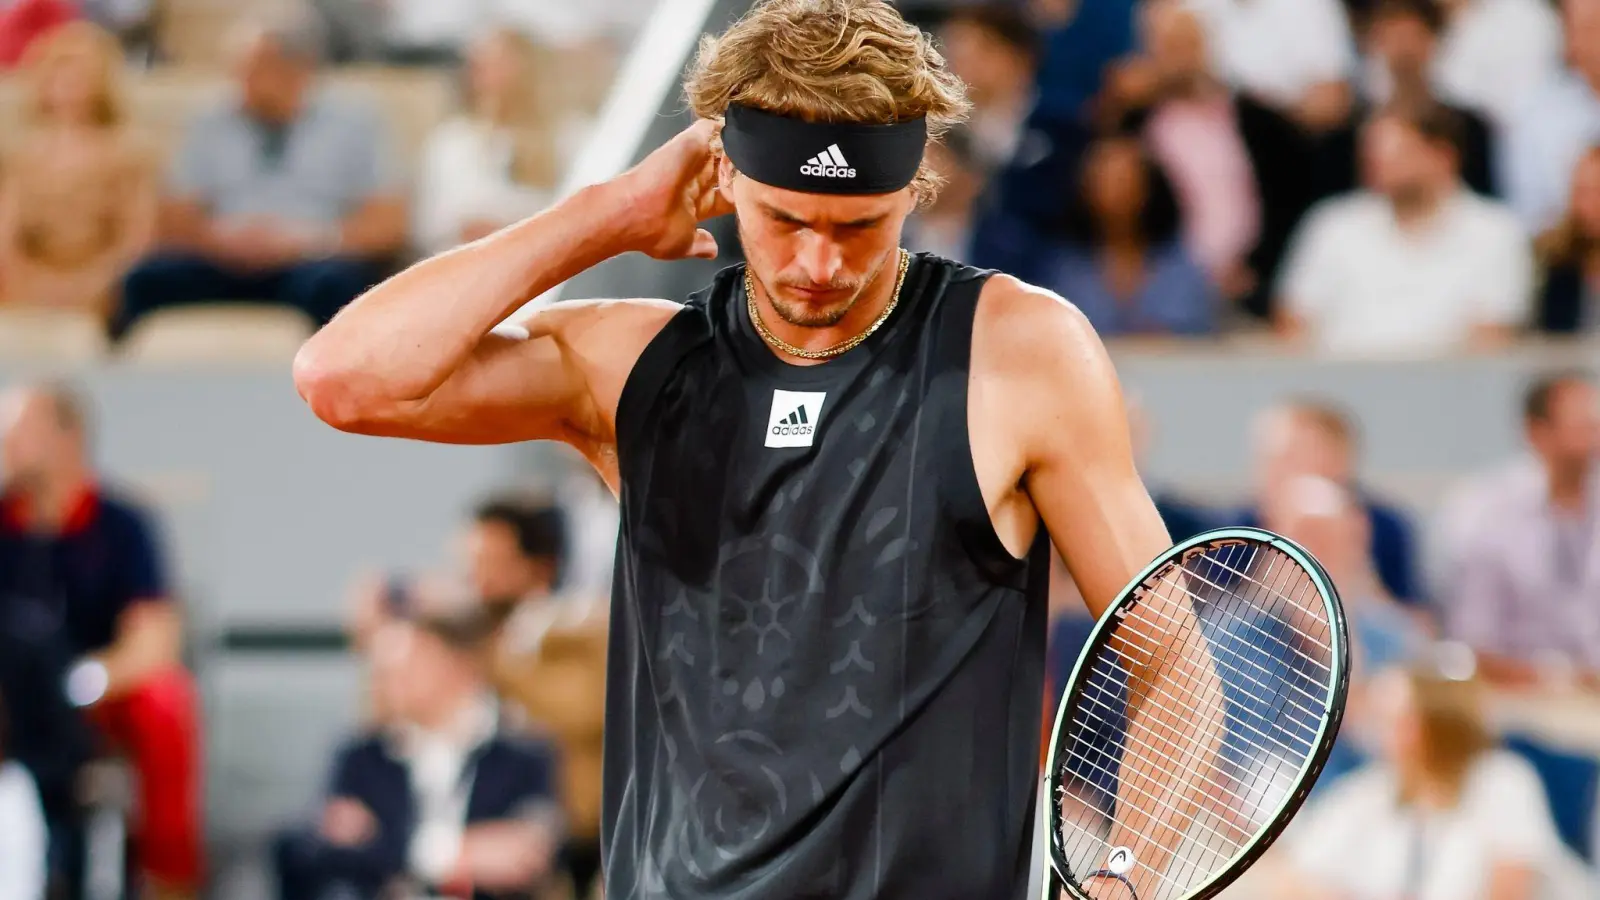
[(1079, 472), (1065, 411)]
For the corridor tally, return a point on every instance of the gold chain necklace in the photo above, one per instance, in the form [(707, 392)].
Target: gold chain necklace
[(780, 344)]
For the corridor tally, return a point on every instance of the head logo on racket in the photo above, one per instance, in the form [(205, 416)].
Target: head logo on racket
[(1119, 861)]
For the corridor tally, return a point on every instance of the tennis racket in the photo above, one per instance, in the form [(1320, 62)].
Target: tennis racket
[(1196, 721)]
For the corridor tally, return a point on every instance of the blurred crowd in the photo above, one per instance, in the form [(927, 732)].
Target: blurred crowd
[(1405, 177)]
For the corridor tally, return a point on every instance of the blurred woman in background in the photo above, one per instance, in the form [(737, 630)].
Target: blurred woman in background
[(1570, 253), (1445, 815), (496, 163), (78, 193), (1123, 262)]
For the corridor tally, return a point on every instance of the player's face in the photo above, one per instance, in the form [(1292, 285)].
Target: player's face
[(814, 255)]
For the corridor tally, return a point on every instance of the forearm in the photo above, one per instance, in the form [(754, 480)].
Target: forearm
[(151, 642), (1175, 728), (405, 337)]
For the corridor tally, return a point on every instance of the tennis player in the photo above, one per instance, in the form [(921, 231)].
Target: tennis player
[(840, 469)]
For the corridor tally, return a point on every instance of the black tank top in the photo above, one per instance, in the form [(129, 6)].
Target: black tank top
[(826, 671)]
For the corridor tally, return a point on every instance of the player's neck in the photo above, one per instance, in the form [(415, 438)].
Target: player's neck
[(866, 311)]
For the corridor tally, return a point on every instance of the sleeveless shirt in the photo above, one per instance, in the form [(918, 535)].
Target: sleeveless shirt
[(826, 671)]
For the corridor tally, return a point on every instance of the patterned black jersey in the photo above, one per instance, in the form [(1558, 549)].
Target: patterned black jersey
[(826, 671)]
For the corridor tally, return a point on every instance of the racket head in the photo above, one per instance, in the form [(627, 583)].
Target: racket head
[(1067, 734)]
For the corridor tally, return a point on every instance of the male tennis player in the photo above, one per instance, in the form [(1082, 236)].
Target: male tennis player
[(840, 467)]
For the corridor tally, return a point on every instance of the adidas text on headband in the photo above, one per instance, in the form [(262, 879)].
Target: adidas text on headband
[(823, 157)]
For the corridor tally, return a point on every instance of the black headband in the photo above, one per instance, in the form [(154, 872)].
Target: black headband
[(823, 157)]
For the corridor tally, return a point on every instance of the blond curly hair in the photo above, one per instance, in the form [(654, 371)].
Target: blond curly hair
[(830, 61)]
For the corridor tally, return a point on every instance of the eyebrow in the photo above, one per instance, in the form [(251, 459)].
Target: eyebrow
[(793, 219)]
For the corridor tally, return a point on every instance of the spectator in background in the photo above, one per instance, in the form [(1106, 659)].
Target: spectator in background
[(23, 862), (1416, 264), (1444, 814), (1492, 53), (24, 21), (995, 50), (1328, 520), (1554, 124), (550, 658), (496, 163), (1123, 262), (1244, 174), (440, 801), (1522, 577), (1400, 40), (944, 227), (1293, 55), (286, 193), (77, 192), (1570, 253), (44, 733), (80, 569), (1312, 437)]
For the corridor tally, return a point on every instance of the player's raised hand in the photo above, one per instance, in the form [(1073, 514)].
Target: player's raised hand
[(671, 192)]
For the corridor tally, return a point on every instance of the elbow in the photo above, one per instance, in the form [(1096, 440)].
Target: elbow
[(330, 385)]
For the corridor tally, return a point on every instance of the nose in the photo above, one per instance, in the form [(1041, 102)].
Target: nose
[(820, 259)]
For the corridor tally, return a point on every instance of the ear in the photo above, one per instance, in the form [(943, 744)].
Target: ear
[(725, 173)]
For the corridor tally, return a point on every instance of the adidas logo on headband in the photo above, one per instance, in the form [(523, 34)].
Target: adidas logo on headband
[(828, 164)]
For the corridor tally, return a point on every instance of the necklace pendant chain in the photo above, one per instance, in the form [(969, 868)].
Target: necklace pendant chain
[(846, 346)]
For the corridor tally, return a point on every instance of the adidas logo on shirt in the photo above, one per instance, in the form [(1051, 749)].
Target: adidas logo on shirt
[(793, 422), (828, 164)]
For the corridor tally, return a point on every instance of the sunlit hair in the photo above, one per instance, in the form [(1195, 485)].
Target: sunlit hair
[(830, 61), (65, 45), (1452, 730)]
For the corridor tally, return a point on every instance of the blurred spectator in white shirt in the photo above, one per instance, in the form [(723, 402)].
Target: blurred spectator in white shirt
[(994, 49), (1415, 265), (1443, 816), (1296, 55), (1520, 578), (23, 843), (492, 165), (1493, 52), (1555, 124)]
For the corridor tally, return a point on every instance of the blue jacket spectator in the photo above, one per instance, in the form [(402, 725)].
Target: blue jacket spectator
[(441, 800)]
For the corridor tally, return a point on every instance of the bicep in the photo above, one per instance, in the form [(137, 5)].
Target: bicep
[(1081, 474), (510, 389)]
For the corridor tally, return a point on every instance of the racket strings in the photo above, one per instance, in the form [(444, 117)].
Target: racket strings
[(1217, 750)]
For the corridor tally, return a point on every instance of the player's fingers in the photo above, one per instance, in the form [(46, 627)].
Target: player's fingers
[(704, 246)]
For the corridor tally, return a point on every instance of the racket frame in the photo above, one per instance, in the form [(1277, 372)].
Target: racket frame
[(1338, 692)]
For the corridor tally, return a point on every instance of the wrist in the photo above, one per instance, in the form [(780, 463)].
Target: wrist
[(616, 223)]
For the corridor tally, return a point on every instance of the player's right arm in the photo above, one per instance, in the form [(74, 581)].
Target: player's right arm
[(420, 356)]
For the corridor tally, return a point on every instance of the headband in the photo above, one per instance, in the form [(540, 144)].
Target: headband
[(823, 157)]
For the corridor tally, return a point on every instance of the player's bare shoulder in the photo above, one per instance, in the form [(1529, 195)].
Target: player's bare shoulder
[(1031, 337), (601, 340)]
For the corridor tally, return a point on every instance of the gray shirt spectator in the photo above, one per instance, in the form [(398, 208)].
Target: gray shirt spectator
[(286, 193), (1554, 125), (314, 171)]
